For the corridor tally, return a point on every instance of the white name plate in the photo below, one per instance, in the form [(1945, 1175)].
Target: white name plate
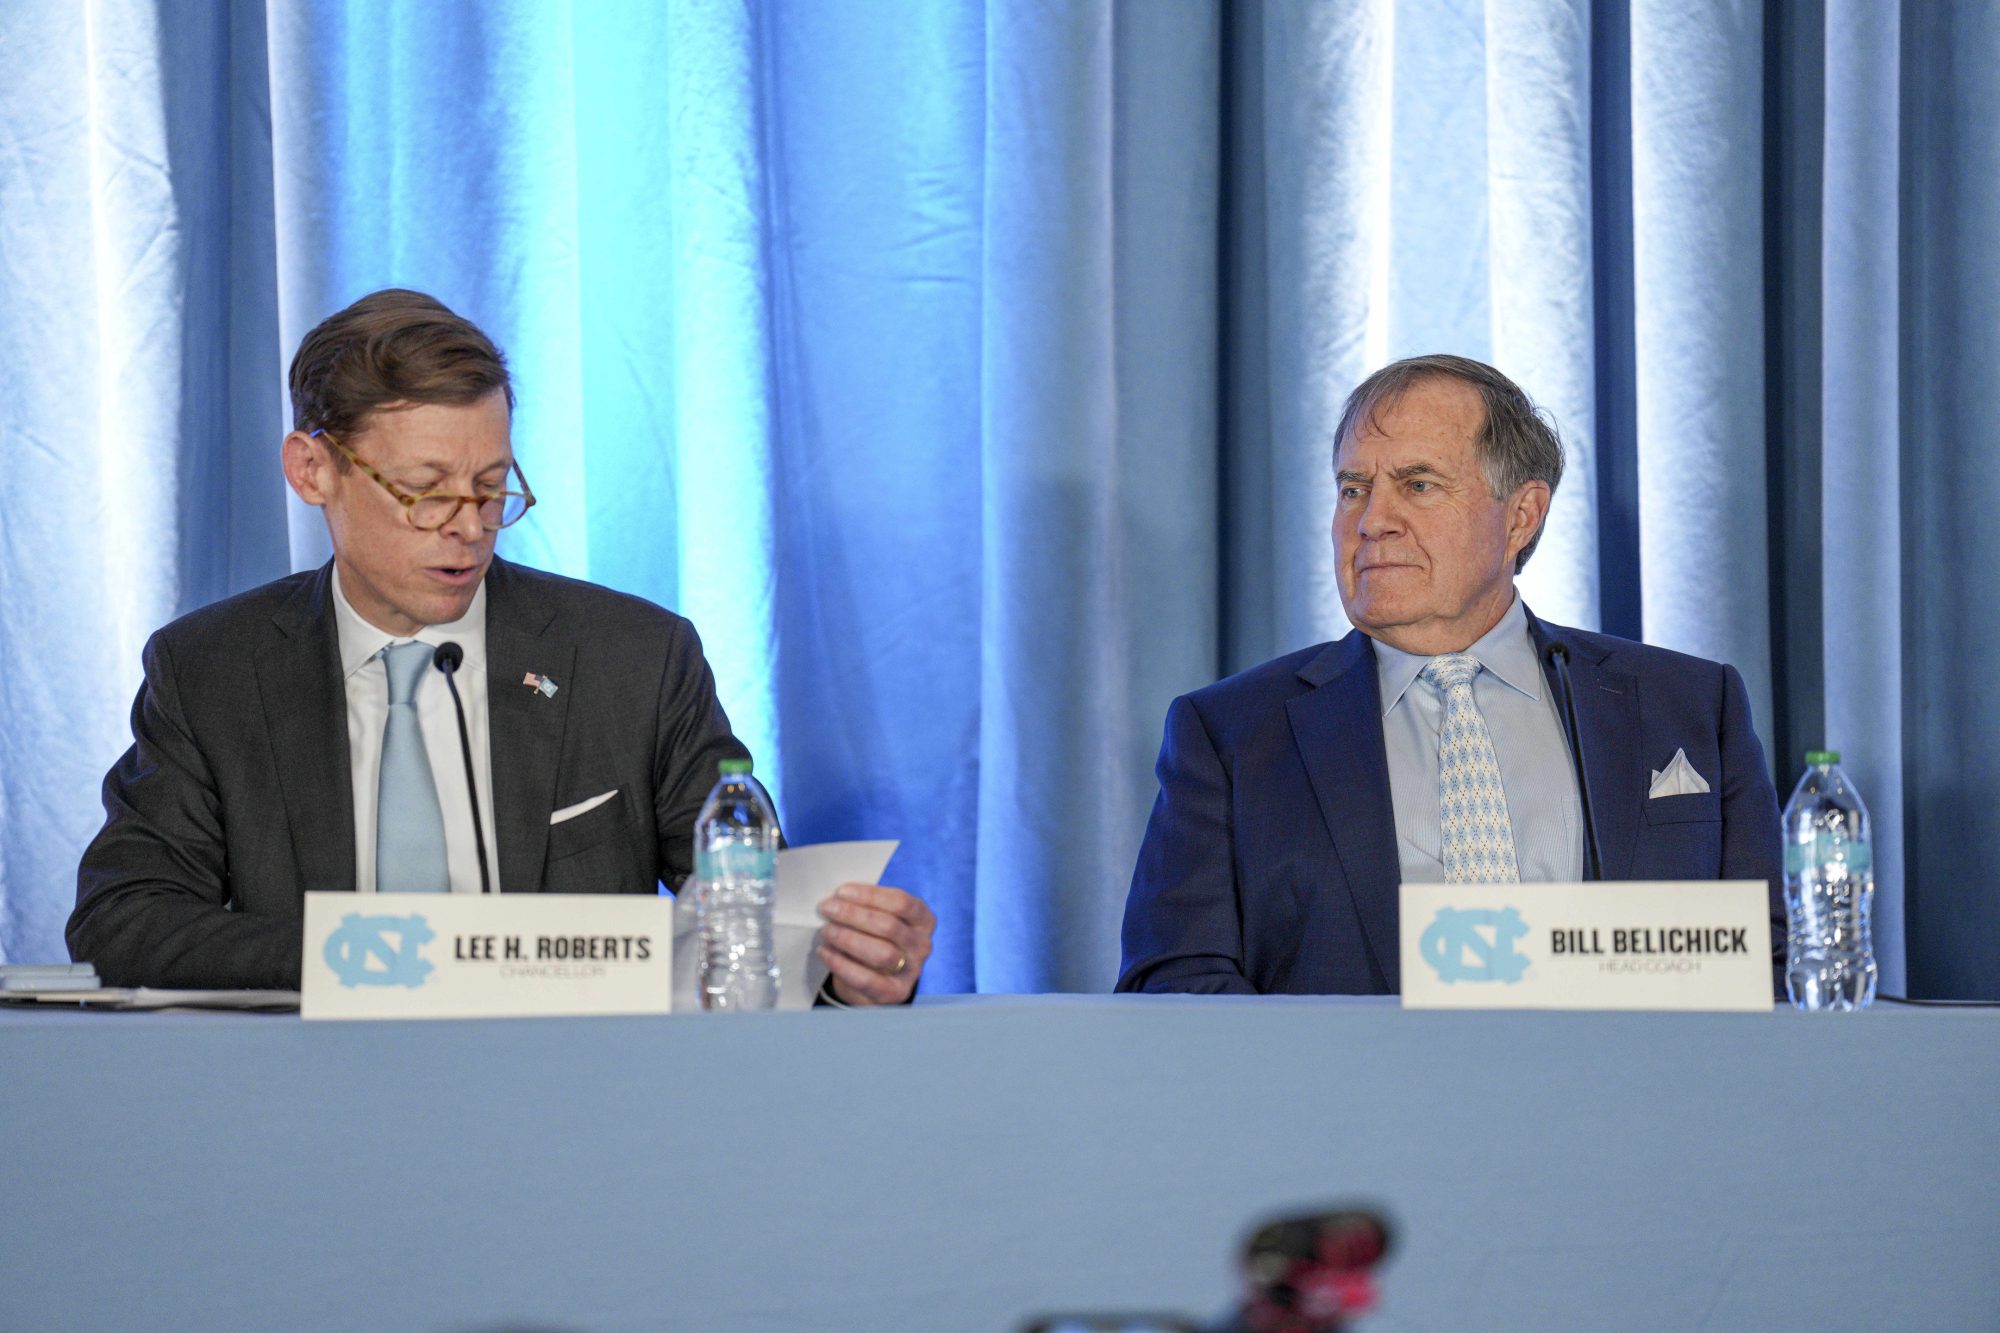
[(512, 955), (1615, 945)]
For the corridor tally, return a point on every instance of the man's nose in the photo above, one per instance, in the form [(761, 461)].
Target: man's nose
[(465, 524), (1381, 513)]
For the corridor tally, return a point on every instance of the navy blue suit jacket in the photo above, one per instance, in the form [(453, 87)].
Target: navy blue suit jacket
[(1270, 863)]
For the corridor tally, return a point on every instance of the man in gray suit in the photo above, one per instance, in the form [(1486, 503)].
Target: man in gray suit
[(281, 736)]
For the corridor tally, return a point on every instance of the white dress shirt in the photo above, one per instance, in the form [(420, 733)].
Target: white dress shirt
[(1528, 741), (367, 682)]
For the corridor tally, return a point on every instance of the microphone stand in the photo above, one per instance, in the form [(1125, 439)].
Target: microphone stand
[(1559, 655), (447, 659)]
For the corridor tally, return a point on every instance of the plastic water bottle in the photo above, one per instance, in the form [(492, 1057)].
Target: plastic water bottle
[(736, 865), (1829, 890)]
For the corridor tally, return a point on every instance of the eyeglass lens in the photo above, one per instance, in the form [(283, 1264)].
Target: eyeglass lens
[(434, 511)]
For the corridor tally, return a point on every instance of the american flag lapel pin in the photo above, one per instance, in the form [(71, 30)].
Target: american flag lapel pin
[(543, 684)]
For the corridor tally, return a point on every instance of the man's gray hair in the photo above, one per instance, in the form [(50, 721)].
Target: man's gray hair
[(1516, 444)]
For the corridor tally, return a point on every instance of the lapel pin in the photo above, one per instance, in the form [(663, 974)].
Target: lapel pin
[(542, 683)]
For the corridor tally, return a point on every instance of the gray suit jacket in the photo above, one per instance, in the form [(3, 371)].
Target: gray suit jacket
[(236, 798)]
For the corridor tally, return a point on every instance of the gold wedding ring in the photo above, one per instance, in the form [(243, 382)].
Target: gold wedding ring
[(902, 961)]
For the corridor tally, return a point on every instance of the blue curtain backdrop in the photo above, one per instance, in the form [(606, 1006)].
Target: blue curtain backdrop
[(967, 372)]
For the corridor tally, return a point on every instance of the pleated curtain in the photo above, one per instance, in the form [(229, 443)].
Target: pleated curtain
[(968, 372)]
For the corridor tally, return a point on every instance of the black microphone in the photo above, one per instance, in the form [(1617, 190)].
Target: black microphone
[(447, 659), (1559, 654)]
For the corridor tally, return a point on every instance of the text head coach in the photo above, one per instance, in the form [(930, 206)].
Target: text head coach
[(1429, 745), (299, 737)]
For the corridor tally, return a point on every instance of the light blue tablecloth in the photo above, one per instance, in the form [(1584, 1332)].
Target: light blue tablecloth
[(962, 1165)]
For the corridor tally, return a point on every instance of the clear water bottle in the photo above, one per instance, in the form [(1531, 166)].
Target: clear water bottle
[(1829, 890), (736, 866)]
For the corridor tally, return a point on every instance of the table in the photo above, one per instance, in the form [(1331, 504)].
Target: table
[(962, 1165)]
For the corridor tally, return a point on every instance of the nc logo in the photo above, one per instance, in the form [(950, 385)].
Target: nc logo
[(1475, 944), (360, 953)]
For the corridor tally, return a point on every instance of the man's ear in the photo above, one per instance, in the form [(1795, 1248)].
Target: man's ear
[(1525, 513), (306, 467)]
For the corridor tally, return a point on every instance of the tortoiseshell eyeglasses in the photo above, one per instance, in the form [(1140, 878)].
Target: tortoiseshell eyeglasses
[(433, 509)]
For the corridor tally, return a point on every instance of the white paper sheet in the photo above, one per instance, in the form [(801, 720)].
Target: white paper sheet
[(805, 876)]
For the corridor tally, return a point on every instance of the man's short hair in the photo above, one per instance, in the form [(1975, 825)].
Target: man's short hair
[(391, 346), (1516, 443)]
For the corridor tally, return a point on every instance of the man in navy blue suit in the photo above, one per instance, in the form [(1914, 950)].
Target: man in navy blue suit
[(1429, 744)]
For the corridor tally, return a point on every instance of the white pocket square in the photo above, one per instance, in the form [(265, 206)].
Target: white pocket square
[(1678, 778), (585, 807)]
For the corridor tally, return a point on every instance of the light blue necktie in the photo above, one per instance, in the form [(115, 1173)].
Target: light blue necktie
[(409, 826), (1472, 806)]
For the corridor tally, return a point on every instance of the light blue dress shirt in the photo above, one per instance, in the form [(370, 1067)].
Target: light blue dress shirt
[(1522, 716)]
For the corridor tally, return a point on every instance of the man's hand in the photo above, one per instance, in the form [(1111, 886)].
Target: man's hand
[(875, 943)]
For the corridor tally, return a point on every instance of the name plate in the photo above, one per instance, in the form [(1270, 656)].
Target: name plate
[(1640, 945), (512, 955)]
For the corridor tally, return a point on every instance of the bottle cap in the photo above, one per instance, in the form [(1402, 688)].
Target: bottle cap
[(731, 767), (1814, 758)]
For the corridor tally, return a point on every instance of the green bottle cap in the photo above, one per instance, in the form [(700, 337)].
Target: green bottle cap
[(731, 767), (1814, 758)]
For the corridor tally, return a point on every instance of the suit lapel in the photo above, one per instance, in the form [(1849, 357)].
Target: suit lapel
[(1607, 720), (1338, 728), (305, 715), (524, 727)]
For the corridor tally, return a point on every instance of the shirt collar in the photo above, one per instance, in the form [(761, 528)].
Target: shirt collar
[(1506, 650), (361, 641)]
